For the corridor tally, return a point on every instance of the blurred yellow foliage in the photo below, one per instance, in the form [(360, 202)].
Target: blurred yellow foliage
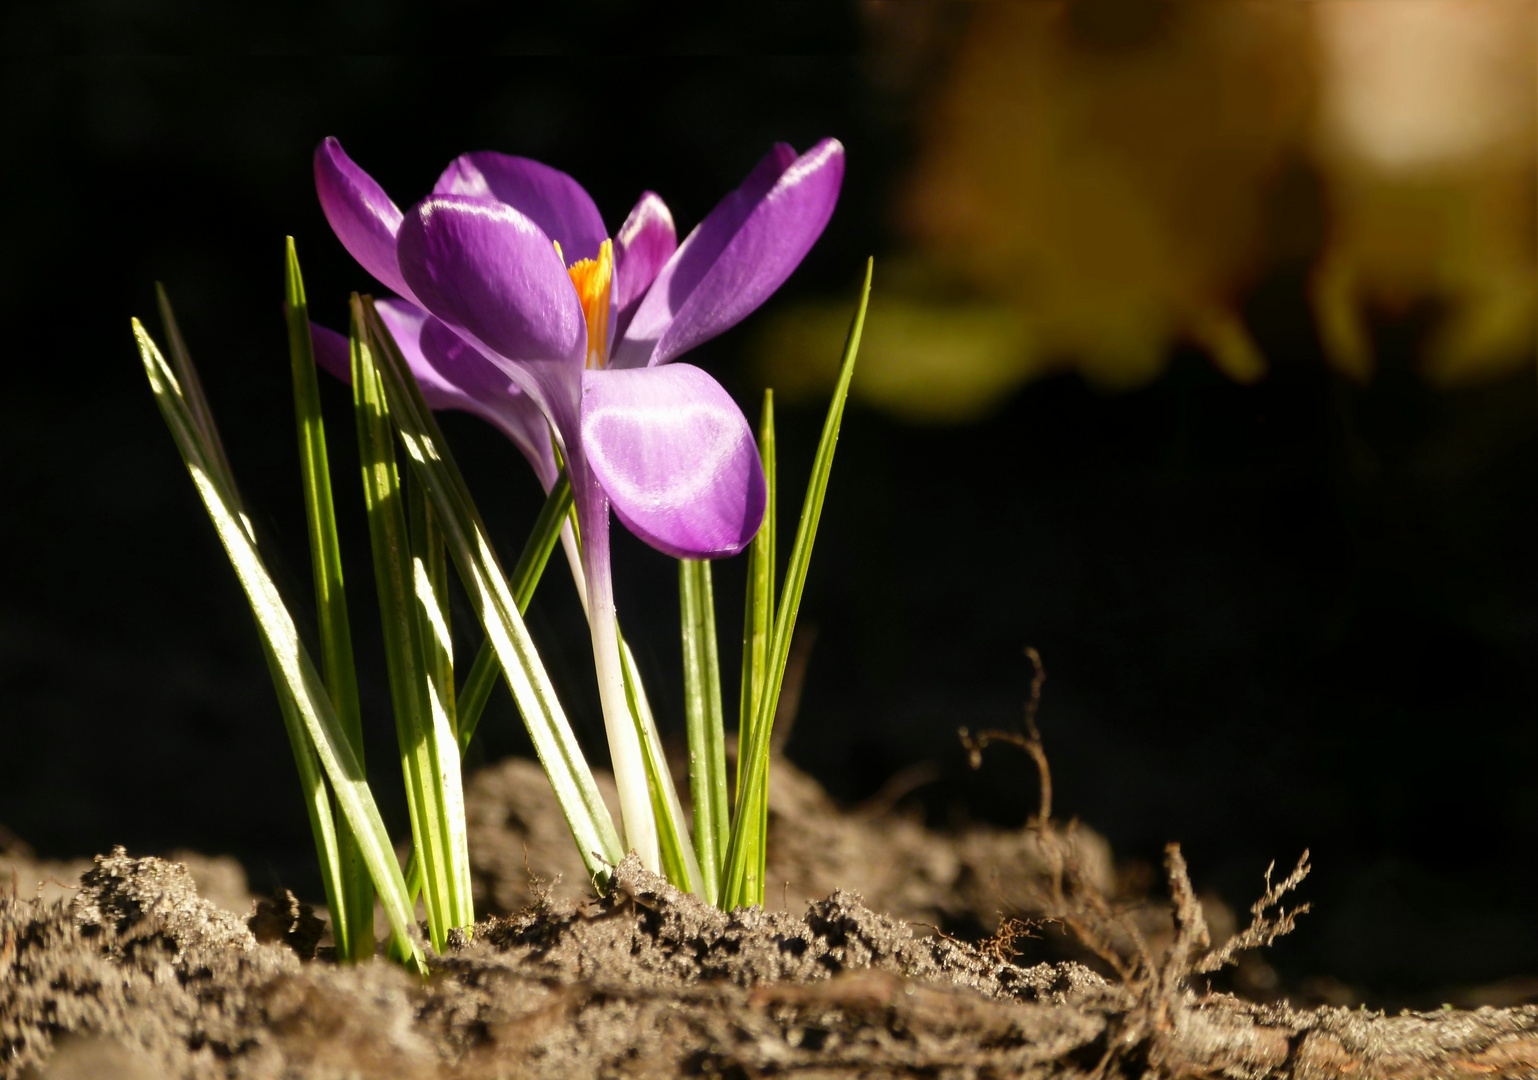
[(1426, 137), (1099, 180)]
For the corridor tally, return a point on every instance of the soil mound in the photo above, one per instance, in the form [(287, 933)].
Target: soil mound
[(145, 971), (139, 974), (520, 845), (139, 977)]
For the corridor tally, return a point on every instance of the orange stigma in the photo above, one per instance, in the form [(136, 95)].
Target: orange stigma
[(591, 277)]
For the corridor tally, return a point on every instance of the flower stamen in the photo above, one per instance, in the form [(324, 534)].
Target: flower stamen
[(592, 277)]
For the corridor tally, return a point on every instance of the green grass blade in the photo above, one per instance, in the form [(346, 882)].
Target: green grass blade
[(482, 679), (437, 645), (758, 616), (197, 406), (702, 712), (353, 918), (306, 706), (759, 842), (679, 863), (470, 547), (433, 616), (429, 752), (332, 850), (317, 801), (525, 576), (475, 693), (757, 635), (546, 533), (738, 887)]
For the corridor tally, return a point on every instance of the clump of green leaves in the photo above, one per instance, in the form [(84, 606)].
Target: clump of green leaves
[(422, 520)]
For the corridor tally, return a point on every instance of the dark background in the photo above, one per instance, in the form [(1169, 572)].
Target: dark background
[(1300, 614)]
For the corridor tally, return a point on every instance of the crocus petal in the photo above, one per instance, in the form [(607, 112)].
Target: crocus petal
[(548, 197), (452, 374), (642, 247), (406, 323), (693, 260), (363, 217), (488, 271), (743, 250), (556, 389), (482, 388), (675, 456), (333, 352), (771, 243)]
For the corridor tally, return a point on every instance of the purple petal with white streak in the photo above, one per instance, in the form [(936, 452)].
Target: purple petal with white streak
[(452, 374), (407, 323), (768, 246), (675, 456), (363, 217), (490, 272), (555, 388), (548, 197), (641, 248), (486, 391), (693, 260)]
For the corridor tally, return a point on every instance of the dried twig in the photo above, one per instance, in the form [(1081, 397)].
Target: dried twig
[(1264, 928), (1077, 902), (1191, 934), (1073, 898), (541, 888), (1001, 946), (1029, 741)]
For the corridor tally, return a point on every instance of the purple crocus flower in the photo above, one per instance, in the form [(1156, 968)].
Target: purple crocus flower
[(520, 307)]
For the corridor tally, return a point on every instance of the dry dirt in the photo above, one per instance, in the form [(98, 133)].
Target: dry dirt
[(134, 974)]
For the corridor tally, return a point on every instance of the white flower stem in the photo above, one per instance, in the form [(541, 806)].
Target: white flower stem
[(624, 745), (574, 559)]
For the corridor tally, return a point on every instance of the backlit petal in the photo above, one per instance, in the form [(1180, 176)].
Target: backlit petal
[(555, 387), (548, 197), (363, 217), (643, 246), (333, 354), (407, 324), (689, 264), (484, 389), (769, 245), (490, 272), (675, 456), (452, 374)]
